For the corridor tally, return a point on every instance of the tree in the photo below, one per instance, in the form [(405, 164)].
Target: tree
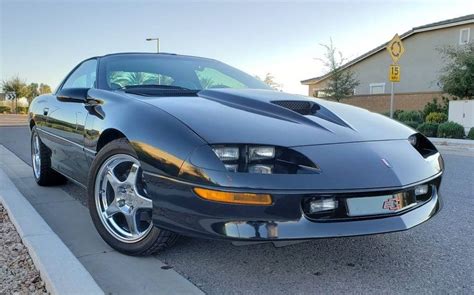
[(44, 89), (457, 76), (32, 91), (341, 82), (17, 85), (270, 81), (22, 89)]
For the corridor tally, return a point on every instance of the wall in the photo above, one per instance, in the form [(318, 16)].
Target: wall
[(381, 103), (420, 65)]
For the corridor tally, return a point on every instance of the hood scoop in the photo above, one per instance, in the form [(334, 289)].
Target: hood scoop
[(300, 106), (310, 108)]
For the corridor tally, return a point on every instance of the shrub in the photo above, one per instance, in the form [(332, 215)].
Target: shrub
[(396, 114), (435, 117), (450, 130), (435, 107), (409, 116), (412, 124), (470, 135), (22, 110), (4, 109), (428, 129)]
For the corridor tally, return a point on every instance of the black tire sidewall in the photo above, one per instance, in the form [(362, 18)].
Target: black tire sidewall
[(118, 146)]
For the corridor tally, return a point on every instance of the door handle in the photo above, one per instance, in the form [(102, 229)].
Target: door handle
[(45, 111)]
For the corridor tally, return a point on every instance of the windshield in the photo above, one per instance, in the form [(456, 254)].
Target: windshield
[(172, 72)]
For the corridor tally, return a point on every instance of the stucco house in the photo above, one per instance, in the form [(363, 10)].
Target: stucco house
[(420, 67)]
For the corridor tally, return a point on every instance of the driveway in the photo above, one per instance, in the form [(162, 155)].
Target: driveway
[(435, 257)]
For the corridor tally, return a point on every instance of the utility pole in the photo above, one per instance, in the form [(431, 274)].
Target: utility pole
[(157, 43)]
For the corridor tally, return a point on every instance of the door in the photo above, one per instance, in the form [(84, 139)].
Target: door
[(66, 121)]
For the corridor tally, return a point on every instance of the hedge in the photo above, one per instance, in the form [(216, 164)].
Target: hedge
[(450, 130), (435, 117), (4, 109), (470, 135), (409, 116), (428, 129)]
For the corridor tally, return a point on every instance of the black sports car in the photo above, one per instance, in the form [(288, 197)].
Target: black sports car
[(170, 145)]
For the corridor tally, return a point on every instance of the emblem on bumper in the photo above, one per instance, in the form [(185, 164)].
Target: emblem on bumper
[(392, 204)]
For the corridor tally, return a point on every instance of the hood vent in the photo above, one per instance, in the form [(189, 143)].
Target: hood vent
[(300, 106)]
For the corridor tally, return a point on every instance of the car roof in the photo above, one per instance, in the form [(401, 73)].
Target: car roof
[(163, 54)]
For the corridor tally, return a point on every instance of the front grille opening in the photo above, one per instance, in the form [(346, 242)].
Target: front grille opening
[(341, 213), (300, 106)]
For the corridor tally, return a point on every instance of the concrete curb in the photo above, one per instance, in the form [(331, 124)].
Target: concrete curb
[(58, 267)]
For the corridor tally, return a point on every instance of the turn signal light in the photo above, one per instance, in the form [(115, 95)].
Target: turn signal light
[(234, 198)]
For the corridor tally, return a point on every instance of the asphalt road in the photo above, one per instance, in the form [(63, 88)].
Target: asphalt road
[(435, 257)]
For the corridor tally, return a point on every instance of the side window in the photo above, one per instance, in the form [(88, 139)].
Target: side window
[(83, 77)]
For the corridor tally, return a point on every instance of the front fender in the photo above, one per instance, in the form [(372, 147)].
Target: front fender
[(161, 141)]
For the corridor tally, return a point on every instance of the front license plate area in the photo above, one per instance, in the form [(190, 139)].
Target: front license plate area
[(377, 205)]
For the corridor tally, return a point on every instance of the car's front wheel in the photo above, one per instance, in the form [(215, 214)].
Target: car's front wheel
[(118, 202)]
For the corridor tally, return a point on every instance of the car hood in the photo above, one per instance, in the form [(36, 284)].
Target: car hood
[(276, 118)]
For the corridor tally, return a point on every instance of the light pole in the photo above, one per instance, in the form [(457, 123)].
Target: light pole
[(157, 43)]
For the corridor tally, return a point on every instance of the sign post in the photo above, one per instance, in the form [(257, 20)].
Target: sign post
[(395, 49), (11, 96)]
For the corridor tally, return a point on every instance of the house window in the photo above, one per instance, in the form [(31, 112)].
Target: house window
[(320, 93), (377, 88), (464, 35)]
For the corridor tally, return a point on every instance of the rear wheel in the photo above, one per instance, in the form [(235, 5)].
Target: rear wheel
[(41, 162), (118, 202)]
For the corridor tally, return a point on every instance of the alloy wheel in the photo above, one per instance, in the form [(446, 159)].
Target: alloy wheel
[(120, 197), (36, 156)]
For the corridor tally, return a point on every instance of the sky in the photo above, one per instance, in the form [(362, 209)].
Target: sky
[(41, 41)]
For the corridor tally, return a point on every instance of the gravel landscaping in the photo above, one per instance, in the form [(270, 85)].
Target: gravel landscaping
[(18, 274)]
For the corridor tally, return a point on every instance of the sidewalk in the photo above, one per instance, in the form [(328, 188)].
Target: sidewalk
[(463, 147), (47, 251), (114, 272), (452, 141), (13, 120)]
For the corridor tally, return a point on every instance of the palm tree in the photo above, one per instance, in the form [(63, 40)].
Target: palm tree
[(133, 78)]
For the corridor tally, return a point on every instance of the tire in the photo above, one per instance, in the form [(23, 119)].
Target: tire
[(41, 162), (103, 194)]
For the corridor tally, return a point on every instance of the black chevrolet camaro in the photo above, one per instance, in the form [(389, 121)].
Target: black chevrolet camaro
[(171, 145)]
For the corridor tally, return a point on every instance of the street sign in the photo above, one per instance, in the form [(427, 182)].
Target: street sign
[(395, 48), (10, 96), (394, 73)]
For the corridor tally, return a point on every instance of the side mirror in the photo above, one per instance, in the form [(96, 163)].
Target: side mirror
[(73, 95)]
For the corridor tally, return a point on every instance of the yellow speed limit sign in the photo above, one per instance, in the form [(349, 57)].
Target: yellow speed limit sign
[(394, 73)]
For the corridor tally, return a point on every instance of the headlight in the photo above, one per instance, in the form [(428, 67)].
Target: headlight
[(263, 159), (227, 153), (261, 152), (262, 169)]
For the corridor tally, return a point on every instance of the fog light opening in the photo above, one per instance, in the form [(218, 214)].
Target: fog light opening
[(421, 190), (322, 205)]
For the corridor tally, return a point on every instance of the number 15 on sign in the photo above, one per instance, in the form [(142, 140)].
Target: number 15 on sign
[(394, 73)]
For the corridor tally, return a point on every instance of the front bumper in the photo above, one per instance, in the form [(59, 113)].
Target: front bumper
[(177, 208)]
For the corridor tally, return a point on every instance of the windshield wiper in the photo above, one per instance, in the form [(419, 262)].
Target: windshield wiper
[(158, 90)]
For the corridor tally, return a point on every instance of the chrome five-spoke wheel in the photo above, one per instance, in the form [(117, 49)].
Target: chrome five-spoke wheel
[(120, 199), (36, 155)]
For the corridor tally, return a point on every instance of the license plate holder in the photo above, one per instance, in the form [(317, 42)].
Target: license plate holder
[(378, 205)]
